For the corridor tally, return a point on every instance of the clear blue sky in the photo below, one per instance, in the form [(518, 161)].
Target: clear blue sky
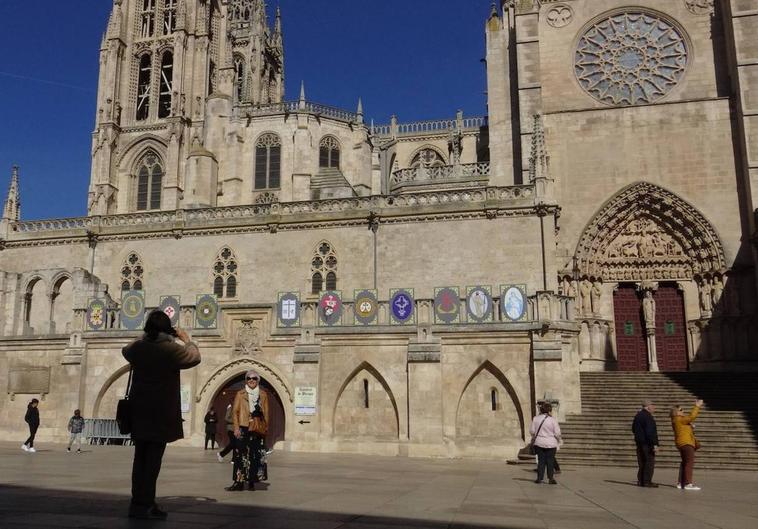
[(418, 59)]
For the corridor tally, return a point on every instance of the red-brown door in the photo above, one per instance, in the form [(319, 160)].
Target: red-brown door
[(630, 331), (670, 339)]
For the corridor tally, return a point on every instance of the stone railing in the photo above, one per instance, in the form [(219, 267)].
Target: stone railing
[(287, 107), (437, 126), (445, 174)]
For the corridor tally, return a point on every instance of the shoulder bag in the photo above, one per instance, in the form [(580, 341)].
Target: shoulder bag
[(258, 424), (530, 446), (123, 409)]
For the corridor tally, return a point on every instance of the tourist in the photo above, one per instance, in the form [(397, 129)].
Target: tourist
[(646, 438), (32, 419), (210, 428), (76, 427), (229, 433), (684, 437), (251, 406), (155, 404), (546, 436)]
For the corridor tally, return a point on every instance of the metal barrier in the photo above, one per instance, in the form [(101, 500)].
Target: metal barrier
[(104, 432)]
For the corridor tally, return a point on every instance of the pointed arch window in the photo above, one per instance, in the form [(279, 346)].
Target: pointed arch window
[(149, 182), (132, 273), (169, 16), (329, 153), (167, 81), (428, 157), (143, 87), (225, 271), (147, 17), (240, 14), (239, 78), (323, 267), (268, 158)]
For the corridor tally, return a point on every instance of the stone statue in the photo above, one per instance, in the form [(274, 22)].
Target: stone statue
[(585, 287), (595, 295), (648, 309), (717, 291), (705, 297)]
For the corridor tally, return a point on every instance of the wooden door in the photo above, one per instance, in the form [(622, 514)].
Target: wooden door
[(630, 330), (670, 338)]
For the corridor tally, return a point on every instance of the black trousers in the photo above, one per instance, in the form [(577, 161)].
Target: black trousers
[(230, 445), (32, 432), (645, 464), (148, 456), (210, 438), (545, 458), (247, 457)]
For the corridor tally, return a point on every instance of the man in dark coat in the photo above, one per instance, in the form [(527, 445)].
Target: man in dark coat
[(646, 438), (155, 404)]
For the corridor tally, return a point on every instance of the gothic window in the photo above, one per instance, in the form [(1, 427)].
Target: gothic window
[(167, 79), (323, 265), (239, 77), (143, 87), (147, 27), (365, 393), (329, 153), (225, 274), (169, 16), (493, 399), (132, 273), (268, 159), (630, 58), (149, 182), (240, 14), (428, 157), (211, 77)]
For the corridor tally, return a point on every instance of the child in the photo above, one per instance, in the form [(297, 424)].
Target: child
[(76, 427)]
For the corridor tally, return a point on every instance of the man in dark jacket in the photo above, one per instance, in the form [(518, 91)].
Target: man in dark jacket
[(155, 404), (646, 438)]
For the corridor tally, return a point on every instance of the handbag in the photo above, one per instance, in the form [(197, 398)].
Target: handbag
[(530, 446), (258, 425), (124, 410), (697, 445)]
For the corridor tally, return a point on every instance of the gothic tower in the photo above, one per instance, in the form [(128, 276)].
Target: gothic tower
[(160, 61)]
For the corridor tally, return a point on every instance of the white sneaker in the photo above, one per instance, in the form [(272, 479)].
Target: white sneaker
[(218, 456), (679, 486), (31, 450), (24, 448), (691, 487)]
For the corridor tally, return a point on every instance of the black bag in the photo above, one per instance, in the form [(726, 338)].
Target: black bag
[(124, 411)]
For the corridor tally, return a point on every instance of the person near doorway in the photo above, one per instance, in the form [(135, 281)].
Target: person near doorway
[(211, 421), (230, 434), (75, 428), (250, 403), (646, 438), (32, 420), (686, 443), (546, 436), (155, 404)]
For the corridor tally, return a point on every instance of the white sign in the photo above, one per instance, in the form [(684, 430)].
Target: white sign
[(185, 393), (305, 401)]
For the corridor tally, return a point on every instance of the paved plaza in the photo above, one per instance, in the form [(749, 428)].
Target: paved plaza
[(53, 488)]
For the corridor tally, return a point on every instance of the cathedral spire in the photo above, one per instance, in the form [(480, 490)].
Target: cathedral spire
[(301, 102), (359, 111), (12, 209), (539, 160)]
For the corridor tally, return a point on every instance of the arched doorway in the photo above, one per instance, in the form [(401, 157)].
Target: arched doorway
[(225, 396)]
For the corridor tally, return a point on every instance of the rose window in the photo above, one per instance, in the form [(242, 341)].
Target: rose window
[(630, 58)]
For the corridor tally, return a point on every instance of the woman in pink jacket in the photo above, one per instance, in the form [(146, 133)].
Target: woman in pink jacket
[(546, 436)]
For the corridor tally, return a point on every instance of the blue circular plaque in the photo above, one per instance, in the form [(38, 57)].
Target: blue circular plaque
[(401, 306)]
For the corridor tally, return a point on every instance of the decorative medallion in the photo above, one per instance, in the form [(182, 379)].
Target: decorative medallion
[(559, 16), (96, 314), (132, 313), (513, 302), (365, 307), (172, 307), (479, 304), (630, 58), (248, 338), (700, 7), (401, 306), (330, 308), (288, 309), (206, 311), (447, 305)]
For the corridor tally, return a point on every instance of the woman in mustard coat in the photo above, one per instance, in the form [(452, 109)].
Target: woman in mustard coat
[(684, 437)]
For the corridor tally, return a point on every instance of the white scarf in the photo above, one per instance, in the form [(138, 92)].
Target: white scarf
[(252, 396)]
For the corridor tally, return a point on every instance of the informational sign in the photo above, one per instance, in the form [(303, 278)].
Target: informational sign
[(365, 307), (305, 400), (184, 391), (206, 311), (288, 309), (132, 313), (513, 302), (479, 304), (330, 308), (447, 305), (96, 314), (402, 306), (171, 306)]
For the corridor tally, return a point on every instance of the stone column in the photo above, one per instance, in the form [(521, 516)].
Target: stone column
[(648, 310)]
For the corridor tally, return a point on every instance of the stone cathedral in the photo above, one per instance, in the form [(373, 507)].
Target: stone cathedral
[(403, 288)]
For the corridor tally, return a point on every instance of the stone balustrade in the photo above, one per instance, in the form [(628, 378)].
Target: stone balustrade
[(287, 107), (437, 126), (467, 173)]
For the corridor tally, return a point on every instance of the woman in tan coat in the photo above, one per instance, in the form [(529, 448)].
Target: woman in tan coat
[(684, 437), (251, 405)]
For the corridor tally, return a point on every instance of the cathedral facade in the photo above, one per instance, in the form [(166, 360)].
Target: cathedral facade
[(405, 288)]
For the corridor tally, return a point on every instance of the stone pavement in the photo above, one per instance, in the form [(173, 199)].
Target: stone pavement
[(53, 488)]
